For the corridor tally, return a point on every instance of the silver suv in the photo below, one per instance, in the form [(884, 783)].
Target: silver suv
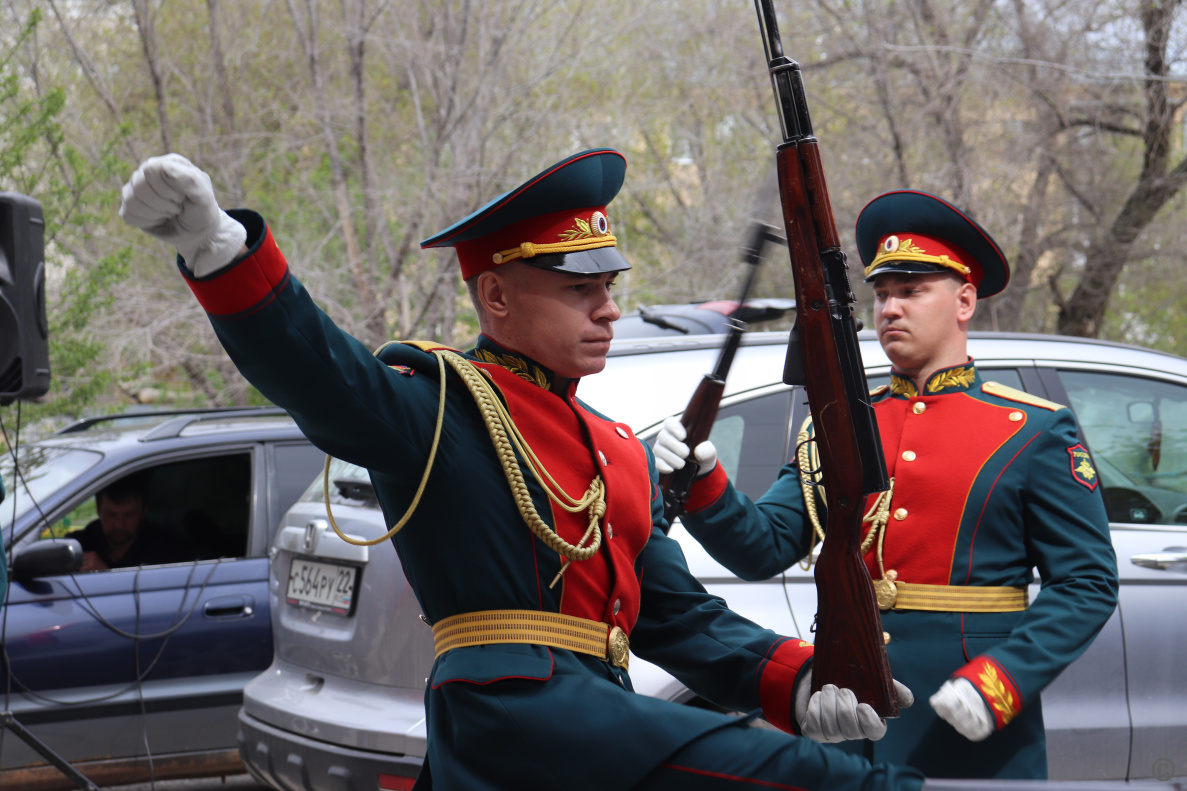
[(342, 704)]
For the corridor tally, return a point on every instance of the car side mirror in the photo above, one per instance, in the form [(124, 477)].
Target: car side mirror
[(46, 559), (355, 489)]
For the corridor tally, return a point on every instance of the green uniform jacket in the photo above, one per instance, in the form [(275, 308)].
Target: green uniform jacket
[(517, 716), (989, 483)]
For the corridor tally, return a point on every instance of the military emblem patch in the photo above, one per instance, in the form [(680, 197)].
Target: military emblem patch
[(403, 369), (1082, 469)]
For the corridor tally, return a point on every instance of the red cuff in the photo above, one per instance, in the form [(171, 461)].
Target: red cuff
[(777, 681), (995, 685), (705, 491), (246, 286)]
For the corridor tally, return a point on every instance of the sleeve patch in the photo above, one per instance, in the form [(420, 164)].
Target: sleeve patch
[(1082, 469), (996, 686)]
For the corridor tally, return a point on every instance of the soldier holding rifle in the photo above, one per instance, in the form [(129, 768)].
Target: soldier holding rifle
[(534, 590), (987, 483)]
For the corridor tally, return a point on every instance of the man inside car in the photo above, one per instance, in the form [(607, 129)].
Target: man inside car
[(987, 482), (121, 537), (538, 554)]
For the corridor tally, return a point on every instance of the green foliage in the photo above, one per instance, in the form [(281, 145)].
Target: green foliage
[(78, 380), (72, 188)]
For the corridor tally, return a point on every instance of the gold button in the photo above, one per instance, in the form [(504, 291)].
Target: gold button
[(900, 514), (919, 407), (886, 638), (621, 432), (1015, 416), (908, 455), (602, 456), (609, 530)]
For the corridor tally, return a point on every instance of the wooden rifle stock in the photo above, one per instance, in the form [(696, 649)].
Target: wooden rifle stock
[(849, 648), (698, 419)]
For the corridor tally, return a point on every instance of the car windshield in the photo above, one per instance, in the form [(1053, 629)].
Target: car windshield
[(43, 470)]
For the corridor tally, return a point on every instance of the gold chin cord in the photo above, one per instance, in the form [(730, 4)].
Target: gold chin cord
[(507, 439)]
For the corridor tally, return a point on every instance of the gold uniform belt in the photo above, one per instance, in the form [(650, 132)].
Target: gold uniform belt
[(950, 598), (490, 627)]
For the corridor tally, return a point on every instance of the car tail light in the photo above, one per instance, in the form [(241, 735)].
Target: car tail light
[(396, 783)]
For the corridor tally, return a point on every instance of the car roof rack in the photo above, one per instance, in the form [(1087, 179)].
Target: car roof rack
[(181, 417)]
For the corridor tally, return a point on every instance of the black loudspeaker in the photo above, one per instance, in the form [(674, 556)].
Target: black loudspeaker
[(24, 331)]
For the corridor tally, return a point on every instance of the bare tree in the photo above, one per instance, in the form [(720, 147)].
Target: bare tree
[(1157, 183)]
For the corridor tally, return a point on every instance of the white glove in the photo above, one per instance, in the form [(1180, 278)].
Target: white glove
[(962, 707), (671, 452), (834, 715), (172, 199)]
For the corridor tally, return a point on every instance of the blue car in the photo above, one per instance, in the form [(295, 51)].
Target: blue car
[(139, 671)]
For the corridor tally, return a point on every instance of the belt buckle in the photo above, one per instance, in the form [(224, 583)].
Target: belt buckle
[(887, 594), (619, 648)]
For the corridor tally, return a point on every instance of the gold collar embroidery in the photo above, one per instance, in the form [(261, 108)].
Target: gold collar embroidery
[(902, 386), (962, 376), (516, 365)]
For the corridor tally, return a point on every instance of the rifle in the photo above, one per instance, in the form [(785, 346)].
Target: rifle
[(701, 412), (824, 356)]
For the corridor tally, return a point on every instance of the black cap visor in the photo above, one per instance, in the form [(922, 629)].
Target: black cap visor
[(581, 262), (908, 268)]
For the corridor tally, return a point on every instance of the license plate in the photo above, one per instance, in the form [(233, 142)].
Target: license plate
[(322, 586)]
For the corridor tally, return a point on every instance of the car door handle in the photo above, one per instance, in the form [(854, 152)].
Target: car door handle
[(227, 607), (1166, 560)]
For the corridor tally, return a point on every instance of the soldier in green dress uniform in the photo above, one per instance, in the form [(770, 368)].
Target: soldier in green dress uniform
[(988, 483), (530, 527)]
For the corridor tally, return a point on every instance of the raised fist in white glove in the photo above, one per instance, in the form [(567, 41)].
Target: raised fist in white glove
[(959, 703), (834, 715), (671, 453), (172, 199)]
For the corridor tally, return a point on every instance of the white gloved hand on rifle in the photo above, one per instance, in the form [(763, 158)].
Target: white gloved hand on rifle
[(671, 453), (959, 703), (172, 199), (834, 715)]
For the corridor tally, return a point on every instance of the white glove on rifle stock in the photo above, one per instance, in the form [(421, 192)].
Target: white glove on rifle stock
[(172, 199), (671, 452), (834, 715)]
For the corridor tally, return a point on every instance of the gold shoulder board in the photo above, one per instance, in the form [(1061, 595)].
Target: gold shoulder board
[(1001, 391), (427, 346), (877, 391)]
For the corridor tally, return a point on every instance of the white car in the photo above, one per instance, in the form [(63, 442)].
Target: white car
[(342, 704)]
